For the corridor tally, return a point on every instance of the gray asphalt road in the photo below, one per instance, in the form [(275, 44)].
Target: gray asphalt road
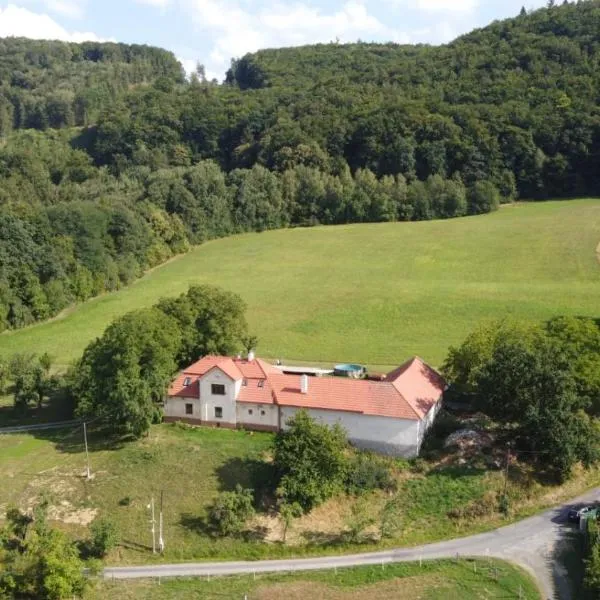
[(534, 543)]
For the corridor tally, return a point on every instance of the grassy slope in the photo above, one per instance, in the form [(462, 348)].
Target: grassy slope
[(440, 580), (373, 293), (192, 465)]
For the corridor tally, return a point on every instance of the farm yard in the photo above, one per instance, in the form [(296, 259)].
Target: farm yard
[(370, 293)]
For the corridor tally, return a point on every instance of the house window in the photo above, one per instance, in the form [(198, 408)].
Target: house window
[(187, 381), (218, 389), (218, 412), (189, 409), (245, 382), (263, 413), (250, 411), (261, 383)]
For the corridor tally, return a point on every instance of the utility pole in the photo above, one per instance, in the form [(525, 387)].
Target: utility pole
[(161, 541), (87, 456), (153, 523), (506, 469)]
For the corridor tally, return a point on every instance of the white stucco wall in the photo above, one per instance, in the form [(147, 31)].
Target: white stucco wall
[(226, 402), (428, 421), (175, 407), (397, 437), (269, 419)]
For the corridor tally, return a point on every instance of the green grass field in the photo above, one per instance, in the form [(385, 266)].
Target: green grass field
[(439, 580), (192, 465), (371, 293)]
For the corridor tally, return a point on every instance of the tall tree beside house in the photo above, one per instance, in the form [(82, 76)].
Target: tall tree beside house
[(541, 383), (310, 459), (211, 321), (532, 391), (124, 374)]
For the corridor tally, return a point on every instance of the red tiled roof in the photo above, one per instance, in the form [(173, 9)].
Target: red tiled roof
[(337, 393), (419, 384), (179, 390), (255, 393), (204, 364), (408, 392), (229, 368)]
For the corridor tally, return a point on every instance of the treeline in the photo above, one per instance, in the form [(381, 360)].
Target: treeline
[(517, 99), (539, 384), (321, 134), (69, 231), (50, 84)]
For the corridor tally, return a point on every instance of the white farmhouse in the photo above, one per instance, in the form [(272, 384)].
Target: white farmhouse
[(390, 416)]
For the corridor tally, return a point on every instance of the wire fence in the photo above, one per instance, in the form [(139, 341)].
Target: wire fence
[(482, 578)]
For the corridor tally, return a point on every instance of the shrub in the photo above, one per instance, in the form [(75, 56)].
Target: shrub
[(310, 460), (359, 519), (231, 510), (368, 471), (478, 508), (105, 536), (419, 466)]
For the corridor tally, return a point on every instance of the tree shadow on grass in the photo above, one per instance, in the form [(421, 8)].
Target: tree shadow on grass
[(201, 526), (52, 410), (251, 473), (323, 539), (70, 440), (196, 524), (136, 546), (566, 563)]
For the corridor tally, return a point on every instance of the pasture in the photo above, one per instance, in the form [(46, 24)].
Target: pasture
[(370, 293), (447, 580)]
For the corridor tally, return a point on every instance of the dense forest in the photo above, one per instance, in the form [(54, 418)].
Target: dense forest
[(111, 161)]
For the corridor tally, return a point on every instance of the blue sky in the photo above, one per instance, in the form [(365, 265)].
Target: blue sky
[(213, 31)]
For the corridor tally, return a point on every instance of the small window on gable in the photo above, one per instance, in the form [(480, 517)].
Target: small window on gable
[(261, 383), (245, 382), (218, 389), (189, 409), (250, 411), (263, 413), (187, 381), (218, 412)]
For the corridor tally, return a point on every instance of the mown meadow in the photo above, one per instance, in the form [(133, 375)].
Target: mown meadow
[(370, 293), (437, 580)]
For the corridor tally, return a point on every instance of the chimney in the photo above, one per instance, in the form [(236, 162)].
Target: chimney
[(251, 356), (304, 384)]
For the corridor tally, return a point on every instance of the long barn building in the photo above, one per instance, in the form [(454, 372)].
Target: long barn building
[(389, 416)]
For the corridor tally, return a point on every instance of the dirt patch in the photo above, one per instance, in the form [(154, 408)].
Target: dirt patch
[(66, 513), (414, 588), (270, 526)]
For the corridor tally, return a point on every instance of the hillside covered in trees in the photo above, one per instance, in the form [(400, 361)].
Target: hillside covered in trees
[(111, 161)]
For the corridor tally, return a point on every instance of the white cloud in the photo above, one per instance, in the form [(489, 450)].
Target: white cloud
[(21, 22), (67, 8), (237, 30), (156, 3), (73, 9), (447, 5)]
